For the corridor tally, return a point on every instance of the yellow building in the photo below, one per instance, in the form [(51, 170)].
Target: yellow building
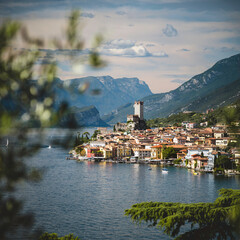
[(107, 152), (124, 151), (156, 152)]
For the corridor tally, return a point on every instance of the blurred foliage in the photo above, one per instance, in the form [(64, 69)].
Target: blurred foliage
[(26, 102), (205, 220), (81, 139), (54, 236)]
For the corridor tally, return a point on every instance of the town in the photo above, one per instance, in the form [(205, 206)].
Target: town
[(205, 149)]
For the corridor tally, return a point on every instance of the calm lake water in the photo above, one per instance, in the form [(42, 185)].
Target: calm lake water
[(88, 199)]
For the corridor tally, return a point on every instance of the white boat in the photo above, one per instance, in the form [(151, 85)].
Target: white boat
[(164, 170), (49, 146), (7, 143)]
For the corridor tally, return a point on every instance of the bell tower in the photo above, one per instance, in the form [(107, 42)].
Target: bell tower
[(138, 109)]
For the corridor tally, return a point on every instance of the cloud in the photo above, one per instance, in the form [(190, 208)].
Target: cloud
[(159, 54), (121, 13), (134, 51), (128, 48), (170, 31), (119, 43), (87, 15)]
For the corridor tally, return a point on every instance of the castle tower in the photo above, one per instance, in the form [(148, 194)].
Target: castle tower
[(138, 109)]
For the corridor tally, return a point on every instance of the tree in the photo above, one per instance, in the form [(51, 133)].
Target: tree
[(25, 102), (54, 236), (218, 220), (204, 220), (86, 134), (96, 132), (169, 153), (224, 162)]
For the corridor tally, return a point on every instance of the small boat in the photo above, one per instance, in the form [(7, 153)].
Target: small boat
[(149, 168), (164, 170), (7, 143), (195, 173), (49, 146)]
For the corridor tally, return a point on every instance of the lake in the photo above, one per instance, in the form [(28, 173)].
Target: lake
[(89, 199)]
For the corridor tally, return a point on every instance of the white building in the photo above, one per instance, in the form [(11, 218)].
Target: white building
[(97, 144), (141, 153), (206, 153)]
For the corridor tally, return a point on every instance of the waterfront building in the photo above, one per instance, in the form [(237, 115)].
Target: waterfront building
[(142, 154), (156, 152), (201, 152), (92, 152), (107, 152), (123, 151)]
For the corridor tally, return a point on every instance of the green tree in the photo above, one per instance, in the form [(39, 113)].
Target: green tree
[(169, 153), (86, 134), (224, 162), (204, 220), (25, 102), (96, 132), (54, 236), (218, 220)]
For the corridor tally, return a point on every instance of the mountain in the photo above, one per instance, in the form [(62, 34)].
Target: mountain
[(209, 89), (105, 93), (86, 116)]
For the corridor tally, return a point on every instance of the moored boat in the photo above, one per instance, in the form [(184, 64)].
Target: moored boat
[(164, 170)]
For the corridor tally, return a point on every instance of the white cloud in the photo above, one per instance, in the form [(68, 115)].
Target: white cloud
[(134, 51), (128, 48), (159, 54), (119, 44), (170, 31)]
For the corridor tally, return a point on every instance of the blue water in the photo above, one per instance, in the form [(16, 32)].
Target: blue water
[(89, 199)]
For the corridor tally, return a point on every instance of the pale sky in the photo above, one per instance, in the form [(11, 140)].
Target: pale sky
[(162, 42)]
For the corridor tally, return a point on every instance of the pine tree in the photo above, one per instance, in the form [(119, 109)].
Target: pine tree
[(218, 220)]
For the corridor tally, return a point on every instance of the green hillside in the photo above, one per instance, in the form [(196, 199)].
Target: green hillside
[(213, 117), (217, 86)]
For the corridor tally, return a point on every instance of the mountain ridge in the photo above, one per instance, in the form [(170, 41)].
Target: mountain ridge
[(104, 92), (221, 74)]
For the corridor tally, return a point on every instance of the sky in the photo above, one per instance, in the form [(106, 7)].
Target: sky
[(162, 42)]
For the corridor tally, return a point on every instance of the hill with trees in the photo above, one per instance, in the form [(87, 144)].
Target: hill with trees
[(212, 117)]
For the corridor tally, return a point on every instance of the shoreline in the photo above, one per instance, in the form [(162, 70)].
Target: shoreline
[(151, 162)]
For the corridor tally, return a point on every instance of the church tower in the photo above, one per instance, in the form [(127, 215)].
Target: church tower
[(138, 109)]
